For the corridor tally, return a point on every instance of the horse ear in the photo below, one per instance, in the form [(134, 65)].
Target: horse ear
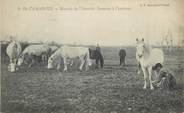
[(143, 39)]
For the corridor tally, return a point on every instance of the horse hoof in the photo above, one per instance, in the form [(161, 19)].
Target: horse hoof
[(144, 87), (152, 88)]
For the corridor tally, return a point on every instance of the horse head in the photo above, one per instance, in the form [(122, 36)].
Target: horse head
[(50, 63), (140, 47), (20, 60)]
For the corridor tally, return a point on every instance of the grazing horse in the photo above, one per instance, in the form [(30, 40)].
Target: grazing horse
[(13, 51), (97, 56), (33, 52), (122, 55), (67, 52), (148, 57)]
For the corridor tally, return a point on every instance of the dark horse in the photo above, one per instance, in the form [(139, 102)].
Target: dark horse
[(122, 55), (97, 56)]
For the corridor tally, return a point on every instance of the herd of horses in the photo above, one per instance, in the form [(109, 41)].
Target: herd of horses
[(146, 57)]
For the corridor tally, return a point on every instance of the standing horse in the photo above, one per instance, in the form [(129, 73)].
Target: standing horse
[(122, 55), (97, 56), (67, 52), (13, 51), (148, 57)]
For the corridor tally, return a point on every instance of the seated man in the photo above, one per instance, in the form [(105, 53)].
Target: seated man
[(164, 79)]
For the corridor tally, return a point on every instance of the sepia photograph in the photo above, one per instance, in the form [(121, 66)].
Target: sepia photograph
[(92, 56)]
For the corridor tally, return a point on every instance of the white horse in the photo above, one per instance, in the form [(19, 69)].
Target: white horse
[(66, 52), (148, 57), (39, 50), (13, 51)]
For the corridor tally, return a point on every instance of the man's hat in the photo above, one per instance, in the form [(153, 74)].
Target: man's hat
[(156, 66)]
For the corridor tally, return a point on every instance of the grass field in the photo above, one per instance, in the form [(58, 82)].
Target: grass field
[(113, 89)]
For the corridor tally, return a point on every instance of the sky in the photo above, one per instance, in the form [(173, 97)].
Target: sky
[(88, 27)]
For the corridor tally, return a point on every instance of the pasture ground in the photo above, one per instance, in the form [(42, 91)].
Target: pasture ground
[(113, 89)]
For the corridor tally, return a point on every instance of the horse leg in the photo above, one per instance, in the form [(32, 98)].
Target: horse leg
[(32, 62), (45, 59), (87, 65), (150, 75), (58, 66), (139, 68), (11, 65), (145, 77), (125, 61), (65, 64), (15, 62), (11, 61), (42, 59), (82, 63), (97, 61), (156, 77)]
